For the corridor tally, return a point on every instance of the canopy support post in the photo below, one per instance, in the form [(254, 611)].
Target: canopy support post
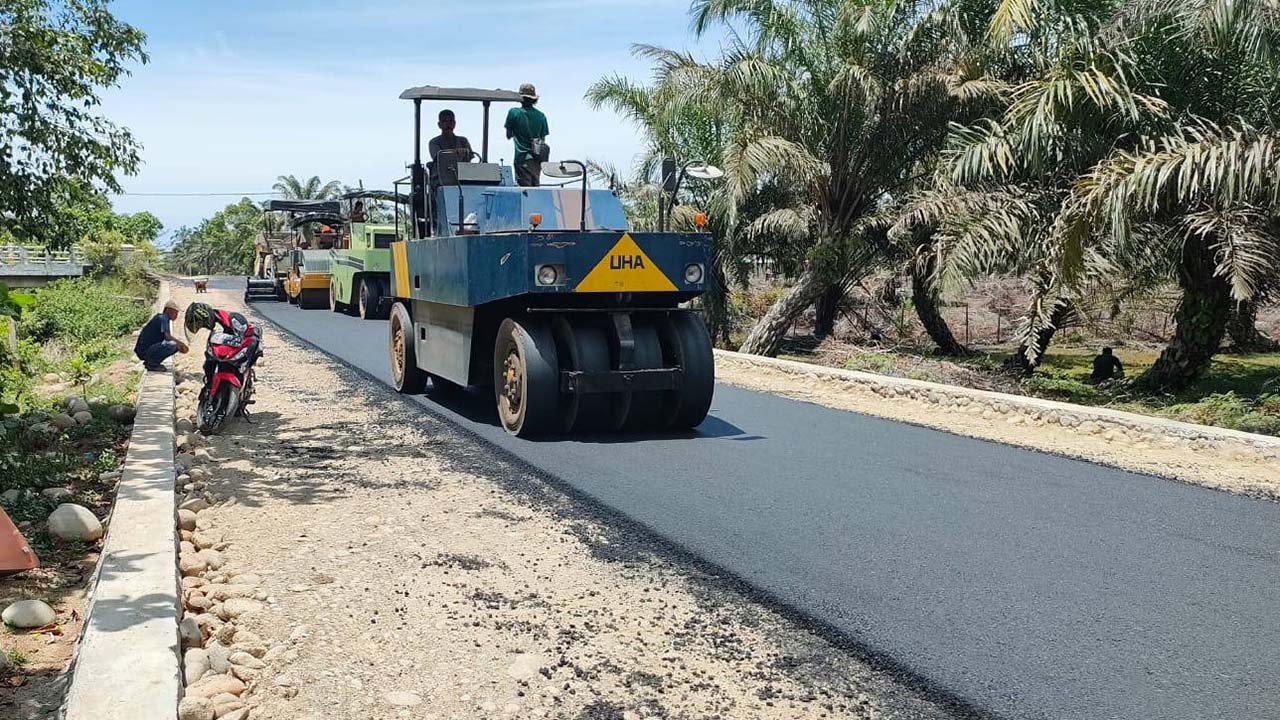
[(484, 152)]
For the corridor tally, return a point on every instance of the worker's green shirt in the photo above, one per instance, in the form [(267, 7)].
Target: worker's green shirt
[(525, 124)]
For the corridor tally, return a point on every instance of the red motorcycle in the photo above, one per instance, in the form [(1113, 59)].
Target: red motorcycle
[(228, 377)]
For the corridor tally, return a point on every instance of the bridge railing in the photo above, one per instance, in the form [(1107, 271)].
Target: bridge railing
[(35, 254)]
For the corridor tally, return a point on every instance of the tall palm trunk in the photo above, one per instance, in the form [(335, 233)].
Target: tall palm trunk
[(771, 328), (1200, 321), (924, 296), (1027, 358), (826, 309), (1243, 330), (715, 304)]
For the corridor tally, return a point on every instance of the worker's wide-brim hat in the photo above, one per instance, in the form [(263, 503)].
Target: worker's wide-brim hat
[(171, 305), (529, 91)]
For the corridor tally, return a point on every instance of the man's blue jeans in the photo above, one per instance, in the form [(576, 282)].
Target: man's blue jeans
[(158, 353)]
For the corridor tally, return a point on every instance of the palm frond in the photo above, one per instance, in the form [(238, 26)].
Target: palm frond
[(749, 159)]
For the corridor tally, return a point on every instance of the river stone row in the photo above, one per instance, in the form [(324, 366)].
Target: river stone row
[(222, 661)]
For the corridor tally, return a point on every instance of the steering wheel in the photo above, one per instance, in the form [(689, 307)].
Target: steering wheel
[(463, 156)]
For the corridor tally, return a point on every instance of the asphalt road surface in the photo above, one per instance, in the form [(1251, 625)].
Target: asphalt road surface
[(1021, 584)]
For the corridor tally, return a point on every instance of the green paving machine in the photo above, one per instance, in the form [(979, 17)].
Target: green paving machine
[(360, 263)]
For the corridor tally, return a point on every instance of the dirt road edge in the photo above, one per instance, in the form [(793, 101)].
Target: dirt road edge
[(1223, 459)]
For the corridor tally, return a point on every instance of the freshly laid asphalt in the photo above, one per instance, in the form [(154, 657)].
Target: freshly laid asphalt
[(1020, 584)]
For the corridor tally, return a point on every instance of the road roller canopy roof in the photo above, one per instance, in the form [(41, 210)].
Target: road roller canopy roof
[(303, 206), (385, 195), (431, 92), (318, 217)]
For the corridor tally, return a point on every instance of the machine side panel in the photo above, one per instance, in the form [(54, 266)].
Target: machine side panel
[(443, 339), (400, 269), (472, 270)]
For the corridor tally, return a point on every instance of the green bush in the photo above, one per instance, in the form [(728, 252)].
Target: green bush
[(1061, 386), (85, 311), (1229, 410)]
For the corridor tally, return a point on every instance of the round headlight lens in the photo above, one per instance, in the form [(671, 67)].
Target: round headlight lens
[(693, 273), (547, 275)]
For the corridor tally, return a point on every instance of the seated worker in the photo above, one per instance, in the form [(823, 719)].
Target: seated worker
[(357, 212), (156, 341), (1106, 367), (446, 140)]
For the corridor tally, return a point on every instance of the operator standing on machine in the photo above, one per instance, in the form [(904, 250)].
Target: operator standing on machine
[(527, 126)]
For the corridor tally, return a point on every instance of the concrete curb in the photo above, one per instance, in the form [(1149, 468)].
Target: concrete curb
[(1067, 414), (126, 665)]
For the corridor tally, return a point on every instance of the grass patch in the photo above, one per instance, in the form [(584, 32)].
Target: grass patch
[(73, 328), (87, 311), (1239, 392), (35, 456), (17, 657)]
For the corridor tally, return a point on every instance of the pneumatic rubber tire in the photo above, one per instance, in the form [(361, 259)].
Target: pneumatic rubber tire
[(334, 304), (406, 376), (644, 411), (583, 346), (369, 293), (687, 344), (526, 350)]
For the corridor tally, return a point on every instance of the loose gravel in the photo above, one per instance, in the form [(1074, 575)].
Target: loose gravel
[(409, 570)]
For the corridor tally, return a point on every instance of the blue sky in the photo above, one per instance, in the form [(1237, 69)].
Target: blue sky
[(238, 92)]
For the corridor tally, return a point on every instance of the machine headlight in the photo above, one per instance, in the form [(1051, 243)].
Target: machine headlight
[(548, 275), (693, 273)]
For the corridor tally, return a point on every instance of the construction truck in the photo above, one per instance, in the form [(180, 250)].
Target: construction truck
[(360, 264), (544, 293), (274, 248)]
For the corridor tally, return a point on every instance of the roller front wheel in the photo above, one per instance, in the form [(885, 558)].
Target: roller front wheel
[(583, 346), (406, 376), (687, 345), (526, 378)]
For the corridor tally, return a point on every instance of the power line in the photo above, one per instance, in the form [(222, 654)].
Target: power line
[(208, 194)]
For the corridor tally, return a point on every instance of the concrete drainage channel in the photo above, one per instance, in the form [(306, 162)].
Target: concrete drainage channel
[(162, 637), (126, 666)]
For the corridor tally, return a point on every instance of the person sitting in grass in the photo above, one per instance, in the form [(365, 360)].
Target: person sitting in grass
[(156, 342), (1106, 367)]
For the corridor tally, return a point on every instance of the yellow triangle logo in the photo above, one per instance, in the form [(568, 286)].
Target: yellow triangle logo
[(625, 268)]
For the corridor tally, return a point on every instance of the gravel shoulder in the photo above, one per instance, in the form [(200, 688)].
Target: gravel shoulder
[(412, 571), (1237, 472)]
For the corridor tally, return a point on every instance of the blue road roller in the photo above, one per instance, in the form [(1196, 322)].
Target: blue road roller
[(544, 293)]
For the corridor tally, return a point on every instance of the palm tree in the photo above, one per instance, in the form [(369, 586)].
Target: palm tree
[(291, 188), (1243, 330), (1206, 196), (951, 235), (837, 106), (1134, 105), (679, 122)]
